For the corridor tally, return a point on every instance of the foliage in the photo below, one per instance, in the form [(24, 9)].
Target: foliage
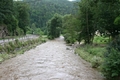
[(98, 15), (111, 63), (22, 14), (101, 40), (92, 54), (54, 25), (14, 15), (108, 15), (70, 28), (19, 31), (7, 17), (87, 18), (38, 31), (43, 10), (34, 30)]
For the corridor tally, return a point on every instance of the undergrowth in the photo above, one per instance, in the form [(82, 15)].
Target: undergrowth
[(92, 54)]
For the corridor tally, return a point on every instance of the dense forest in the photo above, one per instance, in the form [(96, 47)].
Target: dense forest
[(14, 18), (30, 16), (101, 16), (42, 10)]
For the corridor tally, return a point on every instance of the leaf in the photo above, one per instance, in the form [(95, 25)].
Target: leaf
[(114, 74)]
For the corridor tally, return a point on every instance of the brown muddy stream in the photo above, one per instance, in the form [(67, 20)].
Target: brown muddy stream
[(48, 61)]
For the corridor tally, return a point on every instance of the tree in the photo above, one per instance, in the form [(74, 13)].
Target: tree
[(2, 15), (43, 10), (54, 25), (87, 19), (22, 14), (7, 16), (108, 16), (70, 28)]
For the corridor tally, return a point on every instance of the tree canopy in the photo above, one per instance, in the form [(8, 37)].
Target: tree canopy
[(54, 26)]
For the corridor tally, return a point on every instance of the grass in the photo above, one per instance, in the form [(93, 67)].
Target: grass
[(101, 40), (92, 54)]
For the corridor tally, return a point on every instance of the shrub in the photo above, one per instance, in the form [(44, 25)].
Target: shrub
[(111, 64), (11, 44), (96, 61), (17, 43), (1, 49), (7, 48), (101, 39)]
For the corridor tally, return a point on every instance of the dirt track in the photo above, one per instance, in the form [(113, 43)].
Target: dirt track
[(49, 61)]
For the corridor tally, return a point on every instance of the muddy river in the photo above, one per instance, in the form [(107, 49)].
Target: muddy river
[(52, 60)]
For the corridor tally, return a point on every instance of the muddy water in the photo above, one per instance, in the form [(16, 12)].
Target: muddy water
[(49, 61)]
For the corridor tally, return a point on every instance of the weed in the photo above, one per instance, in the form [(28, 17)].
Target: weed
[(92, 54)]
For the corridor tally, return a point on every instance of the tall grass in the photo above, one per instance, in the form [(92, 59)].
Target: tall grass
[(92, 54)]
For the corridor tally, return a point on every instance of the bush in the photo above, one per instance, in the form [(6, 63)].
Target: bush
[(96, 61), (1, 48), (101, 39), (69, 38), (111, 64)]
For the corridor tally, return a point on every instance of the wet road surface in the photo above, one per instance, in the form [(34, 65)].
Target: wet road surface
[(48, 61)]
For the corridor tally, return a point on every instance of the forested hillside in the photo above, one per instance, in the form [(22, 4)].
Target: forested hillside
[(21, 17), (42, 10), (14, 18)]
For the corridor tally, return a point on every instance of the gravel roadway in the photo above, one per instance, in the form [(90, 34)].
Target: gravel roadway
[(52, 60)]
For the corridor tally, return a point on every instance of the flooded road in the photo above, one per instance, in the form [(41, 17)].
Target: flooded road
[(49, 61)]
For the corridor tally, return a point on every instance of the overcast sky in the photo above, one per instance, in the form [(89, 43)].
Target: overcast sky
[(22, 0), (71, 0), (17, 0)]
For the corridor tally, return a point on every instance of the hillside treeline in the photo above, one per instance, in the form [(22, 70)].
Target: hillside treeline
[(14, 18)]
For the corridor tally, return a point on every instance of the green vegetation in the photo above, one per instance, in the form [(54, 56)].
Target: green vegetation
[(54, 26), (30, 16), (16, 47), (111, 63), (92, 54), (105, 58), (22, 14), (70, 28), (14, 18), (101, 16), (101, 40), (43, 10)]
